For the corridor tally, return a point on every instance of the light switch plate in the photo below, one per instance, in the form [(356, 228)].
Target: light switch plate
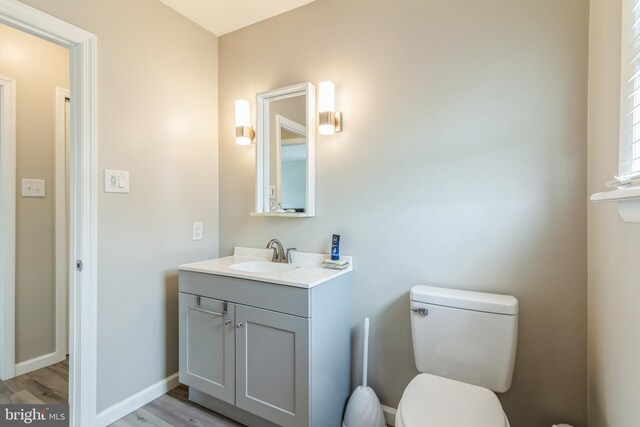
[(198, 231), (116, 181), (33, 188)]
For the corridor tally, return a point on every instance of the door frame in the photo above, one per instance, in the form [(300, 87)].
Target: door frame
[(83, 198), (7, 225)]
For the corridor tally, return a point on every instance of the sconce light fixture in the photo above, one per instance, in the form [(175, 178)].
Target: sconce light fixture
[(329, 121), (245, 134)]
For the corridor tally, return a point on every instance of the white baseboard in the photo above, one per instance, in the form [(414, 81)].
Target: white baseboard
[(38, 363), (389, 415), (141, 398)]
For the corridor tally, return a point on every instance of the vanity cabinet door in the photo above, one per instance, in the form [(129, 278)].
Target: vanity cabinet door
[(207, 346), (272, 365)]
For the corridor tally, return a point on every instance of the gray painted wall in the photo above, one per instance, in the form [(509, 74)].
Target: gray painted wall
[(614, 373), (462, 164), (38, 68), (157, 115)]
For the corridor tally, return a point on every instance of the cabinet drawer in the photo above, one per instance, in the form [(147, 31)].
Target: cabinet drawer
[(280, 298)]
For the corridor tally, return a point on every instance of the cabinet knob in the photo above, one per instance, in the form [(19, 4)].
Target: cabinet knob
[(227, 322), (239, 325)]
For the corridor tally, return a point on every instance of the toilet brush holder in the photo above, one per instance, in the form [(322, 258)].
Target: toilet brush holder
[(363, 409)]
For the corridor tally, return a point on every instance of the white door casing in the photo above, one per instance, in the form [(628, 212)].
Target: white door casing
[(7, 225)]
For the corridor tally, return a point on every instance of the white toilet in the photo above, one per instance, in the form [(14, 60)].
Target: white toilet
[(465, 343)]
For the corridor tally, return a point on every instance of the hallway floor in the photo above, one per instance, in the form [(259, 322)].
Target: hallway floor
[(50, 385), (46, 385)]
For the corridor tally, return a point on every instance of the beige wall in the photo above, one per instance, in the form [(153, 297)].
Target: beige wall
[(462, 164), (157, 118), (38, 68), (614, 270)]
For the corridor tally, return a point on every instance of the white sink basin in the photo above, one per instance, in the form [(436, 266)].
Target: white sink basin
[(263, 267)]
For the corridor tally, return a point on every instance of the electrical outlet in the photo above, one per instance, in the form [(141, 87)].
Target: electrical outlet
[(198, 231), (272, 191)]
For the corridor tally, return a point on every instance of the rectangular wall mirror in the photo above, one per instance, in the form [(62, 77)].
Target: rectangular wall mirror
[(285, 152)]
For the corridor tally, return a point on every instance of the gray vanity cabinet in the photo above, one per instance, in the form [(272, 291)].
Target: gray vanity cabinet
[(207, 346), (283, 360), (272, 371)]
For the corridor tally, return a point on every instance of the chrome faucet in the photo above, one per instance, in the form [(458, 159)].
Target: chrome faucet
[(288, 256), (278, 250)]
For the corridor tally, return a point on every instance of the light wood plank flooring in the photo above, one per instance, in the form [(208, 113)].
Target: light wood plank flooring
[(46, 385), (174, 409), (50, 385)]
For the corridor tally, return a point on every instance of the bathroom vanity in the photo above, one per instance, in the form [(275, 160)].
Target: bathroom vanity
[(267, 343)]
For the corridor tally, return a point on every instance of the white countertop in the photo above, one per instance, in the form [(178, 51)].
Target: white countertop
[(309, 274)]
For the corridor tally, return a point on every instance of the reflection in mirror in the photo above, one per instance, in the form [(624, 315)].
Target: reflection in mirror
[(291, 141), (287, 143), (285, 152)]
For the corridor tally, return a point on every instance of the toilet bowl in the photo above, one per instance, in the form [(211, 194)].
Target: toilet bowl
[(432, 401)]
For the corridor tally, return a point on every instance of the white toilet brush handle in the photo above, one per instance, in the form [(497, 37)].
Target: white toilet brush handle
[(366, 352)]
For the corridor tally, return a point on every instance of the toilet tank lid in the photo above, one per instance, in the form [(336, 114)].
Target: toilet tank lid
[(468, 300)]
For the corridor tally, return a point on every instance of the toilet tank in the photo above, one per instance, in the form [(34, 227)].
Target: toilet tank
[(465, 336)]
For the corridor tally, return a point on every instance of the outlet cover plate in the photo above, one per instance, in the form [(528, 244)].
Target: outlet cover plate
[(198, 231), (33, 188)]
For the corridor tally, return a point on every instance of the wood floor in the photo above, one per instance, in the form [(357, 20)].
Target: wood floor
[(174, 409), (46, 385), (50, 385)]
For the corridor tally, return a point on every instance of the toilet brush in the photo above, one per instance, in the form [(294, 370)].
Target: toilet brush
[(363, 409)]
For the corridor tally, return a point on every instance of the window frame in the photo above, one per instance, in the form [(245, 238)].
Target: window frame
[(628, 196)]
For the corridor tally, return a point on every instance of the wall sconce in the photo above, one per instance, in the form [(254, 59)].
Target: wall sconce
[(329, 121), (245, 134)]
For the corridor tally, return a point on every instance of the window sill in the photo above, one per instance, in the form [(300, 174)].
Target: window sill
[(628, 200), (282, 214)]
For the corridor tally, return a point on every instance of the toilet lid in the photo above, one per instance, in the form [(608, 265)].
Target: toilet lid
[(430, 400)]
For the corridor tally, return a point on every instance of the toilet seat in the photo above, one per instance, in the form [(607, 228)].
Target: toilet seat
[(435, 401)]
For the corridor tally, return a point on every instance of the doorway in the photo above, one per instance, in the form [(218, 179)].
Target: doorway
[(82, 265), (39, 209)]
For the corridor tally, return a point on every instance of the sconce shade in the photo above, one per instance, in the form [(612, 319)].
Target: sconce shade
[(243, 122), (326, 108), (327, 97), (243, 114)]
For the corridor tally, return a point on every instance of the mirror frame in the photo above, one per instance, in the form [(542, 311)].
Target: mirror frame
[(262, 155)]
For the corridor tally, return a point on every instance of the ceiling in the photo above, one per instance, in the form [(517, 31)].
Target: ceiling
[(223, 16)]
